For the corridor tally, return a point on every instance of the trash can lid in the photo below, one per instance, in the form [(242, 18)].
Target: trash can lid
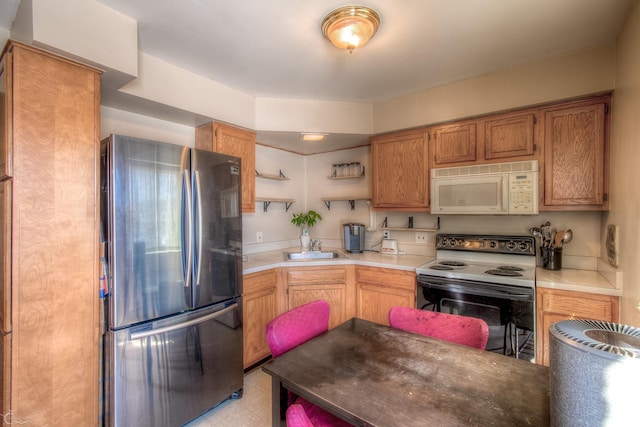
[(599, 336)]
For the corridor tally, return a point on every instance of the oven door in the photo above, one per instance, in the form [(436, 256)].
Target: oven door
[(507, 309)]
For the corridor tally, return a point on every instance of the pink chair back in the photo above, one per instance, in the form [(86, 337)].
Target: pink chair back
[(469, 331), (297, 326)]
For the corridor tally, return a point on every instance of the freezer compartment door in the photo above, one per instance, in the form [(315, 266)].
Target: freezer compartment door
[(171, 371)]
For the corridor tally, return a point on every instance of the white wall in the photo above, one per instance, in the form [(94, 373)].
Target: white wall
[(582, 73), (113, 121), (625, 154)]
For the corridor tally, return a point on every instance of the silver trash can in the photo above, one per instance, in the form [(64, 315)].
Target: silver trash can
[(594, 373)]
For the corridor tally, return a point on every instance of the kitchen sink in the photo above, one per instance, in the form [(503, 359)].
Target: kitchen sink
[(311, 255)]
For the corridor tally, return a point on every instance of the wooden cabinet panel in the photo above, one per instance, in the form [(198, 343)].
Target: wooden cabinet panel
[(223, 138), (509, 137), (454, 143), (260, 306), (6, 114), (313, 276), (375, 301), (400, 171), (334, 294), (54, 240), (335, 284), (379, 289), (5, 373), (576, 156), (556, 305), (5, 250)]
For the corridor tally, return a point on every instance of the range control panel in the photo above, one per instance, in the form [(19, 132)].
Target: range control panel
[(521, 245)]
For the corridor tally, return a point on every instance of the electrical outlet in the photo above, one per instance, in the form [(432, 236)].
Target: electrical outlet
[(259, 237), (386, 234), (421, 238)]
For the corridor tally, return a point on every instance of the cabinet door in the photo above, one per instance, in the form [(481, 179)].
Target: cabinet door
[(400, 171), (455, 143), (556, 305), (379, 289), (6, 103), (334, 294), (333, 284), (5, 250), (5, 373), (260, 306), (576, 156), (509, 137), (234, 141), (375, 301)]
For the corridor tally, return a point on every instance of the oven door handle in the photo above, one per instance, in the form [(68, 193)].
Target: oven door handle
[(481, 290)]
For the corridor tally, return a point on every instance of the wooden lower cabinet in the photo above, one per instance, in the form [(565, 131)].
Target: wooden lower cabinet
[(555, 305), (334, 284), (351, 291), (379, 289), (260, 305)]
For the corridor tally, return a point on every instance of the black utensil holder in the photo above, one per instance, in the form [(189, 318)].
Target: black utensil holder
[(551, 258)]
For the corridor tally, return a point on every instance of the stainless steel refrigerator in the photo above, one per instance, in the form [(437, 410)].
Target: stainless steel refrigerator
[(172, 227)]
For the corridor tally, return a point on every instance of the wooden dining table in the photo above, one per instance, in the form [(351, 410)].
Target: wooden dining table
[(374, 375)]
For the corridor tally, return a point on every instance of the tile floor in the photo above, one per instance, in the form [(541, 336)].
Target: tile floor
[(253, 410)]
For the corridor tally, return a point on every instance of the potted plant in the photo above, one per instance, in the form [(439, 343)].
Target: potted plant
[(305, 221)]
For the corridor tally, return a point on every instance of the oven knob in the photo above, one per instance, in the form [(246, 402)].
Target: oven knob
[(452, 243), (511, 245), (493, 244), (443, 241), (524, 246)]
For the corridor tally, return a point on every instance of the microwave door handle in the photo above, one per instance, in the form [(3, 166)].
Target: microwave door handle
[(505, 194)]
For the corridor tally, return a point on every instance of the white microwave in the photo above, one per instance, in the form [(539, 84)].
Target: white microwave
[(492, 189)]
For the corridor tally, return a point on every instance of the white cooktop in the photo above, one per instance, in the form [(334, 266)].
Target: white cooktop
[(477, 264)]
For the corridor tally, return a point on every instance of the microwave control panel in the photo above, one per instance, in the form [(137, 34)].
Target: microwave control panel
[(523, 193)]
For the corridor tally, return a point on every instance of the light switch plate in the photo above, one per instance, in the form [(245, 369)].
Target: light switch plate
[(612, 244)]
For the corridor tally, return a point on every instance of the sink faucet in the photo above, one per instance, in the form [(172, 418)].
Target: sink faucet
[(314, 243)]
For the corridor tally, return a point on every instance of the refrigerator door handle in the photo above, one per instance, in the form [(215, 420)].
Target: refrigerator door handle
[(198, 204), (187, 238), (147, 333)]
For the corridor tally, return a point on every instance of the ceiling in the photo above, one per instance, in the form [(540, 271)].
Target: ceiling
[(274, 49)]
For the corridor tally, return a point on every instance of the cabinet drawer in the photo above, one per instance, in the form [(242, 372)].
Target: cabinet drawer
[(258, 281), (386, 276), (316, 275), (588, 306)]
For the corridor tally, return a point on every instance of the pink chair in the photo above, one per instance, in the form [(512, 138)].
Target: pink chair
[(297, 417), (288, 331), (464, 330)]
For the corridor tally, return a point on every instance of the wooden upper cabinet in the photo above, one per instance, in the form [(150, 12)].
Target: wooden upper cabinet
[(510, 136), (400, 171), (454, 144), (6, 73), (576, 156), (223, 138)]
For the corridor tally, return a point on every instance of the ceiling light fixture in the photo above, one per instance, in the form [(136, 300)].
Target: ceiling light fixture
[(350, 27), (313, 136)]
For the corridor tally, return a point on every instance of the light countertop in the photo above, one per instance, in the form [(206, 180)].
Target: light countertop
[(568, 279), (590, 281), (272, 259)]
